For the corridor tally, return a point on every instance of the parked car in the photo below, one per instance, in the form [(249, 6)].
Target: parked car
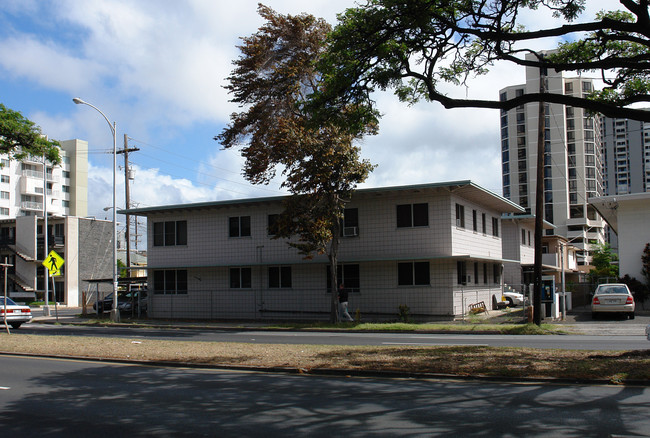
[(16, 314), (123, 303), (613, 297), (514, 298)]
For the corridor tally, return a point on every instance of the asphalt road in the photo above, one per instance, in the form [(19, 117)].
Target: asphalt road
[(64, 398), (573, 342)]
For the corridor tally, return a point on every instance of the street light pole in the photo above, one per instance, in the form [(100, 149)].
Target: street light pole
[(115, 313)]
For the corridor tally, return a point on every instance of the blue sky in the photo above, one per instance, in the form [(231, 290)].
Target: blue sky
[(158, 67)]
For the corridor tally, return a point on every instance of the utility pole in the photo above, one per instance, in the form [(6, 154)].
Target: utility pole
[(127, 197), (127, 202), (539, 200)]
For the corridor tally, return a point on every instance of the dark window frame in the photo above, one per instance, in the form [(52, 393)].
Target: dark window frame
[(170, 233), (413, 273), (170, 281), (280, 277), (239, 226), (412, 215), (240, 278)]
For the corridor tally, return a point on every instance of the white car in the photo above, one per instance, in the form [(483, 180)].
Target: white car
[(514, 298), (16, 315), (612, 297)]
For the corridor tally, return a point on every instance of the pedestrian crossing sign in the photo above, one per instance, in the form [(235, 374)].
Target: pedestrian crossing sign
[(53, 263)]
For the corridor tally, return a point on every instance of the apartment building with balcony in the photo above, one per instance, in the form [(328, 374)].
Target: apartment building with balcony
[(83, 243), (435, 248), (26, 185), (573, 159)]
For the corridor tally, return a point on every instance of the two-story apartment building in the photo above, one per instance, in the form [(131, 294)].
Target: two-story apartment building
[(435, 248)]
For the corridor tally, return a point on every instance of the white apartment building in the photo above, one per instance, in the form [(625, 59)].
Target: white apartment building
[(626, 146), (436, 248), (22, 184), (83, 243), (573, 159)]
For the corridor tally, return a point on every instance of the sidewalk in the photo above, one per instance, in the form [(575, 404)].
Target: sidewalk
[(578, 321)]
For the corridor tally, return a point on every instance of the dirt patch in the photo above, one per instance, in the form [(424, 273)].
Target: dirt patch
[(616, 366)]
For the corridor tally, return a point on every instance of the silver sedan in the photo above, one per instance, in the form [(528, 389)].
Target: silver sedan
[(614, 297)]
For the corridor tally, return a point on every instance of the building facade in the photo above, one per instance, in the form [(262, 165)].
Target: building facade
[(83, 243), (626, 145), (573, 159), (22, 184), (435, 248)]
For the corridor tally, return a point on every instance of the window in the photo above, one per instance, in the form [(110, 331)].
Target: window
[(347, 275), (483, 224), (496, 273), (474, 223), (4, 211), (523, 237), (279, 276), (66, 204), (272, 224), (170, 281), (240, 278), (239, 226), (475, 272), (460, 216), (66, 189), (4, 195), (4, 162), (170, 233), (350, 222), (4, 178), (529, 242), (412, 215), (413, 274), (461, 272), (66, 174), (485, 273), (495, 227)]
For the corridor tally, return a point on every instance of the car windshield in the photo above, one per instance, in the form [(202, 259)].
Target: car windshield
[(10, 302), (612, 290)]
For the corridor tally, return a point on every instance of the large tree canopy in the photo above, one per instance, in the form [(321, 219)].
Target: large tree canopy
[(20, 137), (272, 79), (416, 46)]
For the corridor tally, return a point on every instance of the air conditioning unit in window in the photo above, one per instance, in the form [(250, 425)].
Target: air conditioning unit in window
[(458, 223), (350, 231)]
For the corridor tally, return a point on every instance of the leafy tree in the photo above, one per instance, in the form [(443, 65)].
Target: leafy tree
[(415, 47), (638, 289), (602, 259), (645, 270), (271, 80), (20, 137)]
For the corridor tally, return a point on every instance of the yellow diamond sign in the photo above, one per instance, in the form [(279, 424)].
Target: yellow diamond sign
[(53, 263)]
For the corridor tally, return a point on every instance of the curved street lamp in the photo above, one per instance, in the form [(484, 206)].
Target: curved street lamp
[(115, 313)]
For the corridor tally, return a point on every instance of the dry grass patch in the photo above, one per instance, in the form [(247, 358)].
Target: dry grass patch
[(463, 361)]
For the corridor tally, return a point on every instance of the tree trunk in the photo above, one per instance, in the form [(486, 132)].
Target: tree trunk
[(333, 258)]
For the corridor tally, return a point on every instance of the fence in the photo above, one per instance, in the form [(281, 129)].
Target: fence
[(379, 304)]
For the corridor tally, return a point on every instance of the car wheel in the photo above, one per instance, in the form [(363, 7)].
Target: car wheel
[(631, 315), (510, 303), (16, 324)]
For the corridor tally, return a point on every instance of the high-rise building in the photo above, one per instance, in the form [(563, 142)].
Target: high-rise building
[(22, 184), (626, 145), (573, 159)]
